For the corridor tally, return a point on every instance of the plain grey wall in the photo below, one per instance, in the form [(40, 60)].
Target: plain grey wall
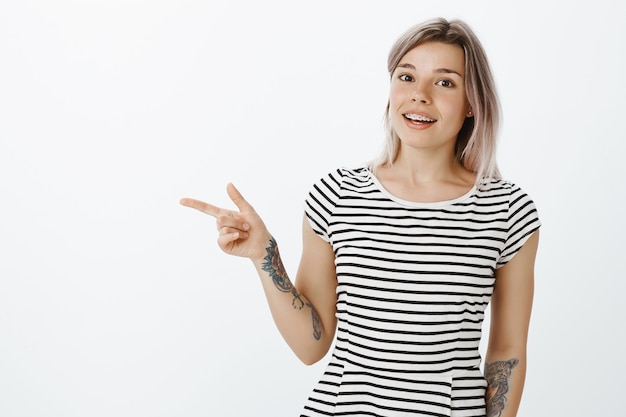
[(114, 300)]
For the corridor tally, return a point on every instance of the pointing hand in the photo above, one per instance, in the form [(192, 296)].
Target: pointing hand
[(241, 232)]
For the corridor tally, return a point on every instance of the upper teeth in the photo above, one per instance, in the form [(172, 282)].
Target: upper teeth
[(419, 118)]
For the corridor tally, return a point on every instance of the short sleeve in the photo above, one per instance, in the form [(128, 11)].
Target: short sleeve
[(523, 220), (321, 201)]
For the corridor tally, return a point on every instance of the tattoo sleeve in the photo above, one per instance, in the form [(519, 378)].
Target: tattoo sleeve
[(498, 376), (273, 265)]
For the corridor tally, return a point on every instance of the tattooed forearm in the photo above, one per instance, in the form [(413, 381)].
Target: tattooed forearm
[(317, 324), (273, 265), (498, 376)]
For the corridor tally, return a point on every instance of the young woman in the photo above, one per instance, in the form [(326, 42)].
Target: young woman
[(401, 257)]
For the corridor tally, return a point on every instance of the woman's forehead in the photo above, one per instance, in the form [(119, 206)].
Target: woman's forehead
[(434, 56)]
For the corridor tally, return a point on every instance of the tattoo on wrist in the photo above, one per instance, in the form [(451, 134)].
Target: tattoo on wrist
[(498, 376), (273, 265)]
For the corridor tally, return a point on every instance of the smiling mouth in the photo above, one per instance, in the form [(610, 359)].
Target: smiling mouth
[(419, 118)]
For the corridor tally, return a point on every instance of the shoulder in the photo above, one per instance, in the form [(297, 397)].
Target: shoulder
[(358, 173), (508, 197), (496, 185), (327, 192), (342, 177), (501, 189), (341, 183), (522, 217)]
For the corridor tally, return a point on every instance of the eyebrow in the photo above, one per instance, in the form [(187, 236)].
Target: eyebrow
[(437, 71)]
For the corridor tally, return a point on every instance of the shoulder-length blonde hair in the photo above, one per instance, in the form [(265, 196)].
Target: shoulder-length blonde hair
[(477, 139)]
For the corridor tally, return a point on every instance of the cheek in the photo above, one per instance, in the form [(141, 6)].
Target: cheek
[(457, 110), (397, 95)]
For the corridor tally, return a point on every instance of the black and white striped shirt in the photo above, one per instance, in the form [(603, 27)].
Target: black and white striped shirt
[(414, 280)]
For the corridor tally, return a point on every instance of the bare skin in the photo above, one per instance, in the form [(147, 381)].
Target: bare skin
[(273, 265), (511, 304), (430, 83), (428, 105), (498, 376), (303, 313), (235, 237)]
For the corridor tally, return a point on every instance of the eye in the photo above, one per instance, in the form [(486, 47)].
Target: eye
[(405, 77), (445, 83)]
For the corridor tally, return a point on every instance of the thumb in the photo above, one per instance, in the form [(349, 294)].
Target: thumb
[(238, 199)]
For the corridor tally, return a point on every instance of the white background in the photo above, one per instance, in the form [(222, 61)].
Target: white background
[(115, 300)]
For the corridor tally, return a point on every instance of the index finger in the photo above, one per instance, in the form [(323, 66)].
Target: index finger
[(207, 208)]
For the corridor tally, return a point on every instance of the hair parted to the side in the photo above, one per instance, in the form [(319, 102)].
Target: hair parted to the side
[(477, 139)]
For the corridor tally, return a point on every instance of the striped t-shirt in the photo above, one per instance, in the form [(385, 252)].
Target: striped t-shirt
[(413, 282)]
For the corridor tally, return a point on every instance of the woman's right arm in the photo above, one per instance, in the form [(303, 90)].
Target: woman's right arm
[(304, 312)]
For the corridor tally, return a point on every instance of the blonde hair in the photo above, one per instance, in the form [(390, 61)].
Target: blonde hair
[(477, 139)]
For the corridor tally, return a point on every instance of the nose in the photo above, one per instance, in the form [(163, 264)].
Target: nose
[(420, 94)]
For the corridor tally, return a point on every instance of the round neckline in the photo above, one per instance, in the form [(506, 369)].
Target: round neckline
[(418, 204)]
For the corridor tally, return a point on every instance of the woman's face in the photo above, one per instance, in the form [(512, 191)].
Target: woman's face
[(427, 101)]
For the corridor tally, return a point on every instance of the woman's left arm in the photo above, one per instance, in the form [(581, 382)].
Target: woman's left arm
[(511, 305)]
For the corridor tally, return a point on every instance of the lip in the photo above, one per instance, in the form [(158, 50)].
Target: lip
[(416, 124)]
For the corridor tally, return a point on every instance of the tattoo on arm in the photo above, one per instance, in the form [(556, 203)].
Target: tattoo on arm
[(273, 265), (498, 376)]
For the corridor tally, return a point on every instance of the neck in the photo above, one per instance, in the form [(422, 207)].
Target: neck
[(421, 176), (424, 167)]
